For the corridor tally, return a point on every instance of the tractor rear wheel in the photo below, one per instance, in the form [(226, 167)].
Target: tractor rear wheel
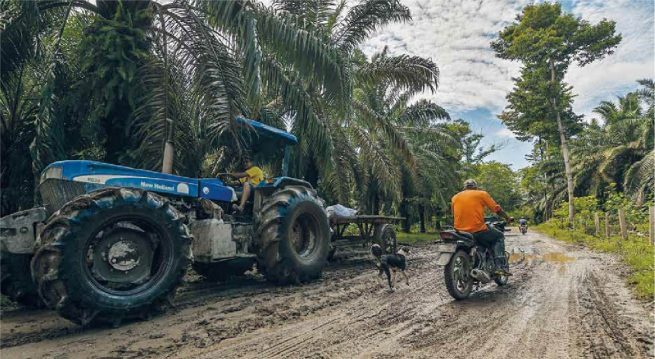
[(112, 254), (294, 235)]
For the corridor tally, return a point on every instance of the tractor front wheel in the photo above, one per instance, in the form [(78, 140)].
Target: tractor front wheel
[(112, 254)]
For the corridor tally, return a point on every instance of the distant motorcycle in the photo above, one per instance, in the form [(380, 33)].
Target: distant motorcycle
[(523, 228), (466, 263)]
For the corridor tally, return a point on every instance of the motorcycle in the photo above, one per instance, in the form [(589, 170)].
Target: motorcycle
[(523, 228), (466, 263)]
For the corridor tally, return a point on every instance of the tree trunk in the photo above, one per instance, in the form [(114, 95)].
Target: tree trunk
[(404, 212), (542, 158), (421, 216), (169, 156), (565, 150), (169, 147)]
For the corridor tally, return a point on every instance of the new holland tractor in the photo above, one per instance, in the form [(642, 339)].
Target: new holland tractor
[(113, 242)]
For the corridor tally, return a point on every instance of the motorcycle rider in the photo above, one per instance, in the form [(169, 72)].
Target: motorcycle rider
[(468, 210), (523, 222)]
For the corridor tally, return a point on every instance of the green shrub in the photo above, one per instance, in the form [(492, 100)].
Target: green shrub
[(416, 238)]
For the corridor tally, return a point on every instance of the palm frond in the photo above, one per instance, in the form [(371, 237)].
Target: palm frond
[(410, 73), (640, 177), (364, 18)]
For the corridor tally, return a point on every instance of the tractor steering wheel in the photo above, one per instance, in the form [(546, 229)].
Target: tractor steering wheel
[(229, 180)]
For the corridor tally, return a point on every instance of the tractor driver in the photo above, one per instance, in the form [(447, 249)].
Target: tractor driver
[(250, 177), (468, 210)]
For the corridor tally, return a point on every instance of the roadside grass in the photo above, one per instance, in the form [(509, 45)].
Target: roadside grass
[(635, 251), (412, 239)]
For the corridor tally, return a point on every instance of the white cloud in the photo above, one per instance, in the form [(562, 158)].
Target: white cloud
[(457, 38), (633, 59), (456, 35), (504, 132)]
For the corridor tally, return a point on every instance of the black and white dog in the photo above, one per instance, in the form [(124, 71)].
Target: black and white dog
[(390, 263)]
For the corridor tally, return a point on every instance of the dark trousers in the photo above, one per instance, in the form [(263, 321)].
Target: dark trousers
[(494, 239)]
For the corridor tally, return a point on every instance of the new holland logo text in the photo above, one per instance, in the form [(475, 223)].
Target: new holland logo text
[(157, 186)]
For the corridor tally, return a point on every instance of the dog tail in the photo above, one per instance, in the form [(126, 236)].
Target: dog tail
[(376, 251)]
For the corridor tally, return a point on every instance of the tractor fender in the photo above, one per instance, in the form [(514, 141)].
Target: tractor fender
[(289, 181), (18, 231)]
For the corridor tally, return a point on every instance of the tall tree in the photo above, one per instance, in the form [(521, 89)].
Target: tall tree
[(546, 40)]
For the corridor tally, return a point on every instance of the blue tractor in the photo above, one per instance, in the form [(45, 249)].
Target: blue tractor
[(113, 242)]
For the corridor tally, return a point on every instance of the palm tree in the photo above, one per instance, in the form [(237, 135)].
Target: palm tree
[(164, 62), (620, 150), (394, 146), (323, 150)]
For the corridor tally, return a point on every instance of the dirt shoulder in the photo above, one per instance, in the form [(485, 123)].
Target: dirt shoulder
[(563, 301)]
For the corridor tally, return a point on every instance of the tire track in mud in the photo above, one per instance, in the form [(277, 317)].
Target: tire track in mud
[(561, 302), (605, 330), (48, 325), (231, 297)]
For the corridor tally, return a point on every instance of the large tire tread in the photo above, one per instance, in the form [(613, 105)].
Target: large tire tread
[(275, 267), (49, 269)]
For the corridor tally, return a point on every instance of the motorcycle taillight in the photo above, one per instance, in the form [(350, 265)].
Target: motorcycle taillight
[(447, 235)]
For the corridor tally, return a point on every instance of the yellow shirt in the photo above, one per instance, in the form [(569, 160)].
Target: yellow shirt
[(255, 175), (468, 209)]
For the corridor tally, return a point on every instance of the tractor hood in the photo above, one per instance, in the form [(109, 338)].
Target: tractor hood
[(94, 175)]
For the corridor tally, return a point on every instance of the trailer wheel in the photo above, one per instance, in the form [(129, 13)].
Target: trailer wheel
[(16, 281), (385, 236), (113, 254), (295, 236)]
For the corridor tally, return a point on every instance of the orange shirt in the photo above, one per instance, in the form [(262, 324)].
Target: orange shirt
[(468, 209)]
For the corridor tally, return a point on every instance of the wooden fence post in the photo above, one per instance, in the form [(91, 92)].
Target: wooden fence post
[(597, 224), (651, 224), (623, 224), (607, 224)]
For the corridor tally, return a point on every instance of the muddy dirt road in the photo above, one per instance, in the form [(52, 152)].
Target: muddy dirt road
[(563, 301)]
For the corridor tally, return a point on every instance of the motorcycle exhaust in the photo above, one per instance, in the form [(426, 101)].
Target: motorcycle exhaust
[(480, 275)]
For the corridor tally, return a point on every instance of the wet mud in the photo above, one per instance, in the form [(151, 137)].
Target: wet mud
[(562, 301)]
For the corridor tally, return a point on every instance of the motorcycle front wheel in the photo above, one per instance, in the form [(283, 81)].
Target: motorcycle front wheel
[(457, 275)]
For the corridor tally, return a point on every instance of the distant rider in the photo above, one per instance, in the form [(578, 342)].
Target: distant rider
[(523, 222), (468, 209)]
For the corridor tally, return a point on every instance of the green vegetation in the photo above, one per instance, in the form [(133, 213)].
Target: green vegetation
[(157, 85), (413, 239), (611, 155), (547, 41), (580, 168), (500, 181)]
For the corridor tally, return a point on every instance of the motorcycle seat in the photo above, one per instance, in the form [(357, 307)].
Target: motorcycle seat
[(465, 234)]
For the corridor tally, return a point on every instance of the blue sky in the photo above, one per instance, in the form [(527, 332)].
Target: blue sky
[(473, 82)]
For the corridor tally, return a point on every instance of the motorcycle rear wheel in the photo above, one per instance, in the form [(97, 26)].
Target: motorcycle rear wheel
[(457, 275)]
